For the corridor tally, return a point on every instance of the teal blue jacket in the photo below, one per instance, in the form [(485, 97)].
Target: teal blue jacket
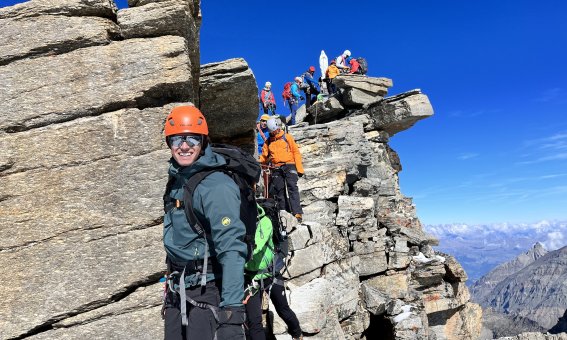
[(216, 203)]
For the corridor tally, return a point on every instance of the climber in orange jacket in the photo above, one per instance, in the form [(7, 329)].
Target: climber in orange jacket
[(281, 151)]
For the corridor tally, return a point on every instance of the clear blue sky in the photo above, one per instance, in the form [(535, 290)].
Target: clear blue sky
[(495, 73)]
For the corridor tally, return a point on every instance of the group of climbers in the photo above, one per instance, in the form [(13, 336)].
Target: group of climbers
[(207, 230), (306, 87), (343, 64)]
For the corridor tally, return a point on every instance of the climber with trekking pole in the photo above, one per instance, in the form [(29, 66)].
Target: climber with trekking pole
[(281, 152)]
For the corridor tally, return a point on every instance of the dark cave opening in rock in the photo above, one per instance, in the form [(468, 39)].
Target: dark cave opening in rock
[(380, 328)]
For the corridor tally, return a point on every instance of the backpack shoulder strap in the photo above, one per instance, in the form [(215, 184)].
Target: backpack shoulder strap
[(168, 202), (189, 189)]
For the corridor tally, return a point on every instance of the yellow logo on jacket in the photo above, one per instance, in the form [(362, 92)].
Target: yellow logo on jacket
[(225, 221)]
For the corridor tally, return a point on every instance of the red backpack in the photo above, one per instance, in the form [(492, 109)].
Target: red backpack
[(286, 94)]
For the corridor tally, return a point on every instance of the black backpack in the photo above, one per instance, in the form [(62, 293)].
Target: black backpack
[(244, 170), (279, 234), (363, 65)]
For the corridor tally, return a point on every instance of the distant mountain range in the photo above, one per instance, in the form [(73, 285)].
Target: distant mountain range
[(528, 293), (480, 248), (482, 289)]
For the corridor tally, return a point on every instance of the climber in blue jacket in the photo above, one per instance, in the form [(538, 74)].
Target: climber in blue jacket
[(295, 98)]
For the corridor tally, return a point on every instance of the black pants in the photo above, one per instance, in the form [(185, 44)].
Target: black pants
[(254, 312), (202, 324), (331, 88), (309, 99), (286, 174)]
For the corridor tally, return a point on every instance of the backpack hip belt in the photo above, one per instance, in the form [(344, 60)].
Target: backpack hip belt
[(192, 266)]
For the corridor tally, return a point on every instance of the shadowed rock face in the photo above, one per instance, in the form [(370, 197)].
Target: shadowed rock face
[(81, 211), (561, 325)]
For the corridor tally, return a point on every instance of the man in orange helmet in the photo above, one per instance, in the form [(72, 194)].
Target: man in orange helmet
[(205, 286)]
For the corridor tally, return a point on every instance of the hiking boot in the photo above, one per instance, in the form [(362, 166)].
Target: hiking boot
[(299, 218)]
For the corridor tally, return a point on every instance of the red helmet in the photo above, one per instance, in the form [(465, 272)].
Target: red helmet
[(311, 68), (185, 119)]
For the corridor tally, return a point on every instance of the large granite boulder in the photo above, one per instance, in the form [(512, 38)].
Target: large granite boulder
[(358, 90), (229, 100), (398, 113), (325, 111)]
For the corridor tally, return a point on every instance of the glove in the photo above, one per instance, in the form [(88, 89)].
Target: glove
[(300, 174), (231, 323)]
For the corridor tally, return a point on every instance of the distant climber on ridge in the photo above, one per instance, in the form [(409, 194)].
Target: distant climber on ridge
[(262, 132), (354, 66), (281, 152), (267, 99), (331, 73), (342, 62), (311, 88), (295, 98)]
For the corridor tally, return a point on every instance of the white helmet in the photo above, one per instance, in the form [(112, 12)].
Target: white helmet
[(298, 79), (347, 53), (268, 84), (274, 124)]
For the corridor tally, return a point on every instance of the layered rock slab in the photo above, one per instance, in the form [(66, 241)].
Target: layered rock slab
[(90, 176), (94, 80), (123, 133), (171, 17), (358, 90), (34, 8), (141, 324), (59, 34), (78, 278), (140, 309)]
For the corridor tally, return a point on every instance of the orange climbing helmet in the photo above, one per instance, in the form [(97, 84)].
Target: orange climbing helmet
[(185, 119)]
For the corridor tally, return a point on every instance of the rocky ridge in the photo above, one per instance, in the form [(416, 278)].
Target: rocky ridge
[(481, 291), (525, 294), (536, 336), (81, 225), (537, 292)]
